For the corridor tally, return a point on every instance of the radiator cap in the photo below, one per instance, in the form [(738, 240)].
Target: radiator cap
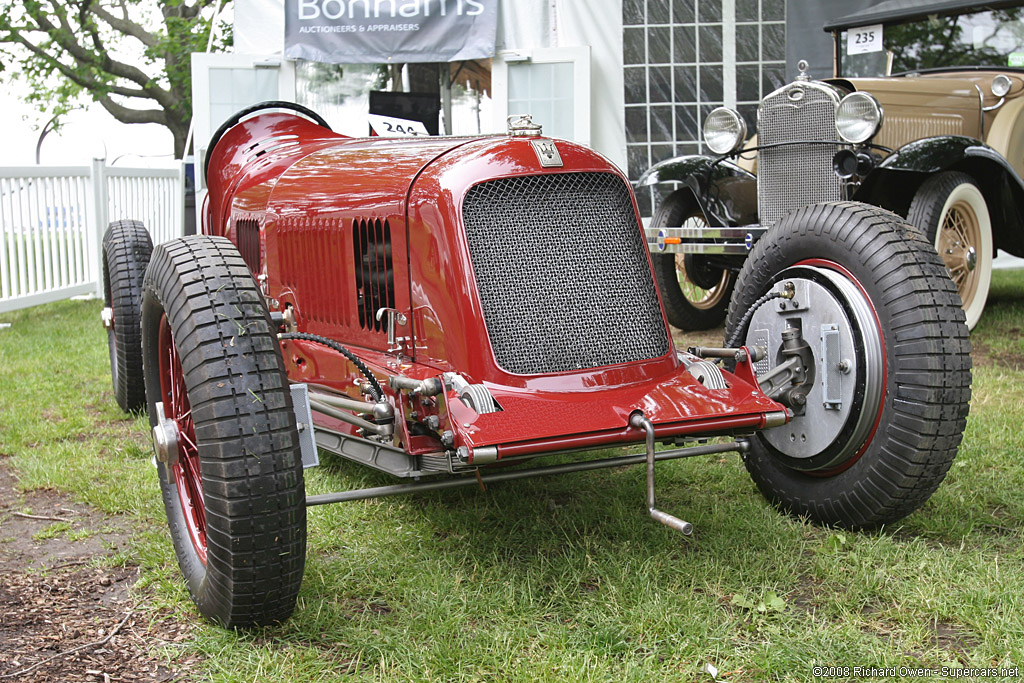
[(522, 125)]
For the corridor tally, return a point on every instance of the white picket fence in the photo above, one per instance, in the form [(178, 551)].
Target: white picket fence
[(52, 220)]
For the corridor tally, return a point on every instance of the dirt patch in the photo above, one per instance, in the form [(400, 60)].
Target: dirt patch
[(83, 625), (44, 529), (65, 619), (684, 340), (984, 356)]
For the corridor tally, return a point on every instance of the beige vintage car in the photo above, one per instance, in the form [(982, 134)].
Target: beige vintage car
[(924, 117)]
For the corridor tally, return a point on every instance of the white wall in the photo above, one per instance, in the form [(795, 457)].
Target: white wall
[(598, 23), (259, 27)]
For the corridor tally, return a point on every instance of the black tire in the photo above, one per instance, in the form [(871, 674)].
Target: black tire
[(951, 210), (695, 293), (911, 417), (126, 252), (235, 500)]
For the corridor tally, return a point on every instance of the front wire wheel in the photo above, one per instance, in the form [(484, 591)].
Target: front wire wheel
[(890, 366), (953, 214), (224, 433), (184, 470), (695, 293)]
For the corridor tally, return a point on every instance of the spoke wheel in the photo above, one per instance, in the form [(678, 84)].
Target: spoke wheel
[(952, 212), (185, 471), (888, 359), (695, 293), (224, 433), (704, 298)]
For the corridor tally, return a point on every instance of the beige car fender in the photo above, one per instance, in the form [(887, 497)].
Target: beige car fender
[(1007, 134)]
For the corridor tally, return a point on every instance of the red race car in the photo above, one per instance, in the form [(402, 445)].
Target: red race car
[(447, 309)]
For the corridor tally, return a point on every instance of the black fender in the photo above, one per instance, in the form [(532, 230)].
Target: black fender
[(894, 182), (726, 193)]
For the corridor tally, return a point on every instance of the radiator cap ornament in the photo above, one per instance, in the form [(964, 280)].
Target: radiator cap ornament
[(802, 66), (522, 125)]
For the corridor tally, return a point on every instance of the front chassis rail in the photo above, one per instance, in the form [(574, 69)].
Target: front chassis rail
[(736, 446)]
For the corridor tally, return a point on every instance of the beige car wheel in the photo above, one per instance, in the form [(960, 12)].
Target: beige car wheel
[(693, 300), (699, 297), (952, 212)]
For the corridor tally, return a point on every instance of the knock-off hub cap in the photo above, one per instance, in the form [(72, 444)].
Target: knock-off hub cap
[(165, 438)]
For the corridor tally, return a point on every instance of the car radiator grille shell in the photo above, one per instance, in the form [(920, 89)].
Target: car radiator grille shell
[(792, 176), (562, 272)]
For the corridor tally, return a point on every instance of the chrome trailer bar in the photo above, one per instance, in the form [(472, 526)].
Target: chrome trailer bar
[(738, 446), (728, 241)]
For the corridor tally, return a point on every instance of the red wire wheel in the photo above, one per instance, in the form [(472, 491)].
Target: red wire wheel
[(224, 433), (185, 471), (881, 417)]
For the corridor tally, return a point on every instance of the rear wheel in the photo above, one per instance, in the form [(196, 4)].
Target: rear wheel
[(885, 402), (952, 212), (126, 252), (695, 293), (224, 433)]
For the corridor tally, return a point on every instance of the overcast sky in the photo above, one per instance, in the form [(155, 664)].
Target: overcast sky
[(85, 135)]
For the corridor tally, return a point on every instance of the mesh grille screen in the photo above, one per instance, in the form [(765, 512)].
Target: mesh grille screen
[(795, 175), (562, 272)]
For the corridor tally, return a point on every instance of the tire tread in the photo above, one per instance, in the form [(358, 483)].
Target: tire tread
[(248, 444), (928, 355)]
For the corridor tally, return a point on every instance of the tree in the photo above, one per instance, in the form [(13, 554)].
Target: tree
[(131, 56)]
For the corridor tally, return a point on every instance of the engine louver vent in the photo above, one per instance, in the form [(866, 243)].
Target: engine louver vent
[(375, 278), (248, 235), (562, 272)]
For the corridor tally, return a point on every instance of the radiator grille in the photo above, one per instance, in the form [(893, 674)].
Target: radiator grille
[(562, 272), (792, 176)]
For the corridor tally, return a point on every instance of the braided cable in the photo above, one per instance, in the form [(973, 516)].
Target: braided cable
[(376, 390)]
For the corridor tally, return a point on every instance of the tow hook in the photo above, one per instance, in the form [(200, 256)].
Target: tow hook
[(638, 421)]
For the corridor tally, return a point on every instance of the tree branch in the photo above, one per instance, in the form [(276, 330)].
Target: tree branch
[(64, 37), (77, 76), (125, 25), (129, 115)]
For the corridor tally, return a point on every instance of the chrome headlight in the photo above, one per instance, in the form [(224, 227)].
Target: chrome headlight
[(724, 130), (1001, 85), (858, 117)]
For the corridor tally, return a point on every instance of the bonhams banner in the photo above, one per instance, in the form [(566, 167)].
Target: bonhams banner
[(389, 31)]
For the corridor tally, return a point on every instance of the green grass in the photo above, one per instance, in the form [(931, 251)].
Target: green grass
[(566, 579)]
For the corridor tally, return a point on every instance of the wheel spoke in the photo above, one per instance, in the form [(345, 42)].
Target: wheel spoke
[(192, 447), (186, 472)]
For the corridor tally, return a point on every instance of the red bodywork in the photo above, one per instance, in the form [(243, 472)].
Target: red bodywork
[(296, 199)]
